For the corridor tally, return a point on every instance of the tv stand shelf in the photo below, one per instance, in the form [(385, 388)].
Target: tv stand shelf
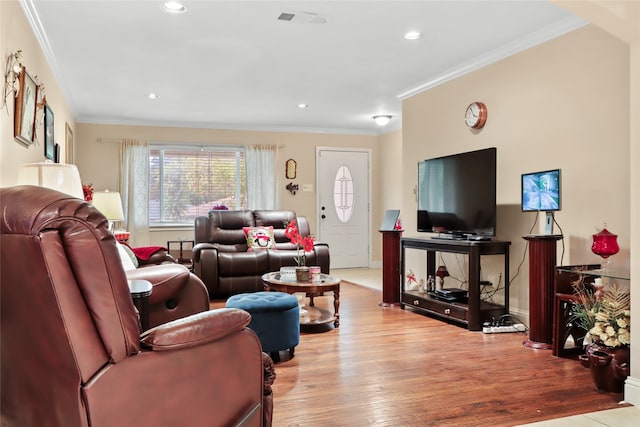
[(474, 312)]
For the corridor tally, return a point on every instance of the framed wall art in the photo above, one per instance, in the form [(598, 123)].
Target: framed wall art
[(68, 136), (24, 122), (290, 169), (49, 143)]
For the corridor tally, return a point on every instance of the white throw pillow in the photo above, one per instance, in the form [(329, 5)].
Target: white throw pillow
[(127, 264)]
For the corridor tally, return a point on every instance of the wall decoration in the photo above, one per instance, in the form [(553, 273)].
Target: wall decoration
[(49, 143), (24, 125), (290, 169), (12, 71), (69, 144)]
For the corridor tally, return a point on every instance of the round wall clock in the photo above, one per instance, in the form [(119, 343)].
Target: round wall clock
[(476, 115)]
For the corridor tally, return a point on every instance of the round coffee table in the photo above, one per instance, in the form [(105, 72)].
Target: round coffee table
[(311, 315)]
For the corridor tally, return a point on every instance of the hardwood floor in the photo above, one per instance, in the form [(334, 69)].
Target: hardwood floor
[(394, 367)]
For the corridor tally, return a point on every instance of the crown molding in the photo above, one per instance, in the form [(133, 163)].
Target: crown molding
[(538, 37)]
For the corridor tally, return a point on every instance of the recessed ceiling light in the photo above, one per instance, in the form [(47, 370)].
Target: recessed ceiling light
[(413, 35), (173, 7), (153, 96), (382, 120), (302, 106)]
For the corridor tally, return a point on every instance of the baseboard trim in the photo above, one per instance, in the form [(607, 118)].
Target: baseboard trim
[(632, 391)]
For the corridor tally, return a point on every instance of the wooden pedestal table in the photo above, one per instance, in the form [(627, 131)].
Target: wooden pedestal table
[(542, 262), (310, 315), (390, 268)]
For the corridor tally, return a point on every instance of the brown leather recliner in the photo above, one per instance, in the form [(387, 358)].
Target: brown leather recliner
[(176, 292), (71, 349)]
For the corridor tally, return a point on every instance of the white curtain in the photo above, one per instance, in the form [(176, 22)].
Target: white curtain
[(262, 192), (134, 189)]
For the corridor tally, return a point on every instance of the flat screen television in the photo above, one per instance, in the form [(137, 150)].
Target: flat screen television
[(541, 191), (457, 195)]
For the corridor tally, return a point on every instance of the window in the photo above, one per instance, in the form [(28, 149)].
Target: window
[(187, 182)]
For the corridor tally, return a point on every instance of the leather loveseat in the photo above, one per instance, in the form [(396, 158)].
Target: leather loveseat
[(221, 256)]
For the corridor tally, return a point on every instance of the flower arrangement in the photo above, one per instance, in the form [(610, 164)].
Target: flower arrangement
[(605, 315), (87, 190), (303, 244)]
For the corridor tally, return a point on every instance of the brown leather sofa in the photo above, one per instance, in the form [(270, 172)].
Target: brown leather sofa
[(221, 259), (71, 349)]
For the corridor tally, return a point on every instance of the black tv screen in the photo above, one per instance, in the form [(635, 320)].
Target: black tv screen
[(457, 194), (541, 191)]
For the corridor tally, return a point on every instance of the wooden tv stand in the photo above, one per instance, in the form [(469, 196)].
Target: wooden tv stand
[(473, 313)]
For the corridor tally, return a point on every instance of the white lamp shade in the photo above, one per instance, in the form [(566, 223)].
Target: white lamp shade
[(57, 176), (109, 204)]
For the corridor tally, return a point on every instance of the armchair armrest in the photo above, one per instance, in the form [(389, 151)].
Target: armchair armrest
[(322, 256), (199, 248), (196, 329), (160, 257), (205, 265)]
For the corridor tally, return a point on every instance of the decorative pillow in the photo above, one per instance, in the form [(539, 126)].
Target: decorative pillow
[(132, 255), (127, 263), (259, 238)]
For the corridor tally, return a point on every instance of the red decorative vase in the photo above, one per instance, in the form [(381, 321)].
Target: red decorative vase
[(609, 366), (605, 244)]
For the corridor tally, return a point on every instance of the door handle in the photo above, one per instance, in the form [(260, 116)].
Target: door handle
[(323, 216)]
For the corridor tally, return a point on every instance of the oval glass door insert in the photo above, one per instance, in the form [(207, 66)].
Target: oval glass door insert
[(343, 194)]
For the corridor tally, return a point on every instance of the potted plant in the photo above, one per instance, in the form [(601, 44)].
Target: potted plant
[(303, 245), (604, 314)]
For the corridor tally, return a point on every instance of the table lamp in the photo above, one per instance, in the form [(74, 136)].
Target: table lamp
[(109, 204), (57, 176), (441, 273)]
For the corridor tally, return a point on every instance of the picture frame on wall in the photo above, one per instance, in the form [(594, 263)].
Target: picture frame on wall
[(68, 136), (24, 121), (49, 143)]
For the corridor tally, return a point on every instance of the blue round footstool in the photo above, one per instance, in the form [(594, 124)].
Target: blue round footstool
[(275, 318)]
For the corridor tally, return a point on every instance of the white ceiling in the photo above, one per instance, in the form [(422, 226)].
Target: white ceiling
[(234, 65)]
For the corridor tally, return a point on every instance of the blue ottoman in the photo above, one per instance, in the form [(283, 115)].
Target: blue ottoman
[(275, 318)]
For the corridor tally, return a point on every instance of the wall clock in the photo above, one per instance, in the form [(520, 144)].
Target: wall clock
[(476, 115)]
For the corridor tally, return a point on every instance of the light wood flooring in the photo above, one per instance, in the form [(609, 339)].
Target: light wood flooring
[(394, 367)]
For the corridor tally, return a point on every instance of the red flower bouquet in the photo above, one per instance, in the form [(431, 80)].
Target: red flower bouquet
[(304, 244)]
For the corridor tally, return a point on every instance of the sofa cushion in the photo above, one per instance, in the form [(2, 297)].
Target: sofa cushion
[(276, 219), (226, 228), (259, 238), (243, 263)]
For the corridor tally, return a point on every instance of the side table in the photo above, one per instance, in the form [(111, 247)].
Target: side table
[(390, 268), (140, 291), (181, 248)]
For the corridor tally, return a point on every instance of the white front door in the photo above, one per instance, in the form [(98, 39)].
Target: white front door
[(343, 205)]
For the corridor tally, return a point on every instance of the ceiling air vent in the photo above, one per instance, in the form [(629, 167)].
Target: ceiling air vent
[(302, 18), (286, 16)]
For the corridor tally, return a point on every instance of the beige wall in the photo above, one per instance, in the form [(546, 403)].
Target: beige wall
[(622, 19), (16, 34), (563, 104), (98, 161)]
